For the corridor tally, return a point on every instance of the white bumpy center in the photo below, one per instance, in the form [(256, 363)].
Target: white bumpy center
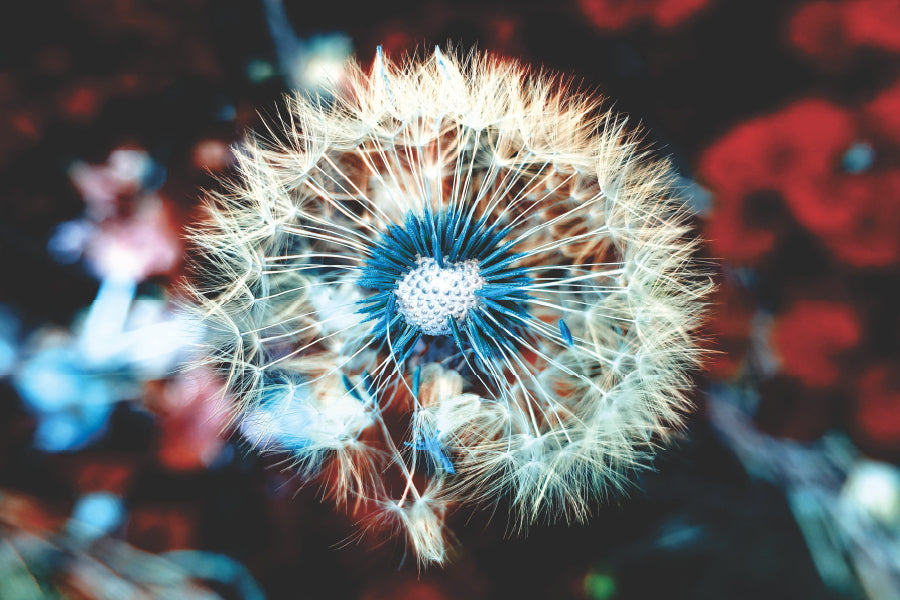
[(429, 294)]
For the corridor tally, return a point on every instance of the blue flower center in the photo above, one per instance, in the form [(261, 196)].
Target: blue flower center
[(446, 273)]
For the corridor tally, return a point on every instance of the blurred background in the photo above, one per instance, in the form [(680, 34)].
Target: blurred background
[(783, 119)]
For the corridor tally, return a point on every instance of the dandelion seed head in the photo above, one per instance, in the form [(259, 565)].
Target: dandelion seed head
[(473, 249)]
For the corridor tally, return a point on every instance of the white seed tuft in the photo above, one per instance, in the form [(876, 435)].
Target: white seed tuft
[(550, 396)]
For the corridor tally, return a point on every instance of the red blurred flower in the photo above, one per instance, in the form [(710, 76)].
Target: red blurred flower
[(764, 159), (877, 414), (830, 30), (818, 29), (826, 207), (856, 216), (730, 236), (805, 139), (874, 23), (883, 113), (796, 155), (619, 14), (811, 337)]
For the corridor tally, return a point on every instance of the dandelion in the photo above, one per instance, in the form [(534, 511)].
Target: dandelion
[(459, 282)]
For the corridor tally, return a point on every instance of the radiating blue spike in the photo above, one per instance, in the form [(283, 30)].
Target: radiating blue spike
[(493, 290), (447, 234), (379, 270), (416, 381), (474, 232), (468, 236), (498, 266), (350, 387), (433, 239), (455, 235), (372, 304), (483, 232), (492, 237), (459, 243), (517, 296), (379, 68), (441, 230), (370, 314), (515, 274), (516, 282), (510, 312), (404, 242), (409, 345), (397, 230), (369, 384), (386, 254), (436, 251), (432, 446), (376, 267), (475, 336), (374, 299), (376, 284), (497, 253), (400, 343), (454, 330), (412, 228), (403, 262), (492, 332), (450, 222), (385, 325), (442, 62), (566, 333)]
